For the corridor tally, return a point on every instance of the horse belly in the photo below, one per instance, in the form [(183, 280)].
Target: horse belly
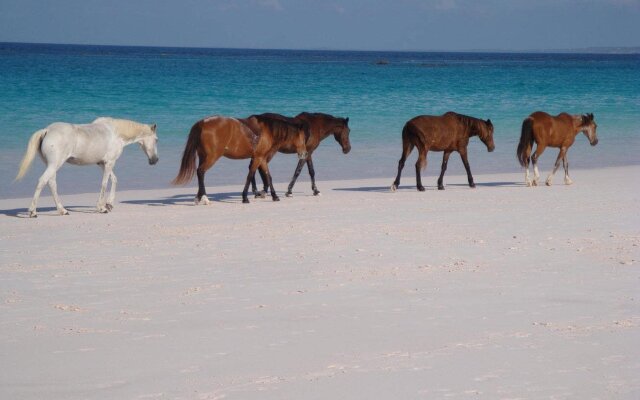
[(239, 148), (92, 150)]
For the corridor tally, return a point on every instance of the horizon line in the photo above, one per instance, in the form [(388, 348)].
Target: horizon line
[(581, 50)]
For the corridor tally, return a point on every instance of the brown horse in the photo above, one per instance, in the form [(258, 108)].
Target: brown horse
[(548, 131), (321, 126), (257, 137), (448, 132)]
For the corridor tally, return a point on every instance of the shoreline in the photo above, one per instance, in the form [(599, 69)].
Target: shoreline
[(303, 182)]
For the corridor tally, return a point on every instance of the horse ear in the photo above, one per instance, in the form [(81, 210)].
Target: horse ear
[(489, 122), (153, 127), (591, 116), (346, 120)]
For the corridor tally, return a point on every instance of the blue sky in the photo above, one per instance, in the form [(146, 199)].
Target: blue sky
[(333, 24)]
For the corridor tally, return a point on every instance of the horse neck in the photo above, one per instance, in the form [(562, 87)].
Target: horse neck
[(128, 131), (473, 127), (577, 124)]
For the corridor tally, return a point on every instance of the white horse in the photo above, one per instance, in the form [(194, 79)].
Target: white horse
[(100, 142)]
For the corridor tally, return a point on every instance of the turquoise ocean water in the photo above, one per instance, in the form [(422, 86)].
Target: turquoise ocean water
[(41, 84)]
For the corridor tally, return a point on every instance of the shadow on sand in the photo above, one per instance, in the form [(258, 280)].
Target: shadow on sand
[(50, 211), (387, 189), (187, 199)]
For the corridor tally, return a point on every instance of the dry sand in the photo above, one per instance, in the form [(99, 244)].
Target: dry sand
[(502, 292)]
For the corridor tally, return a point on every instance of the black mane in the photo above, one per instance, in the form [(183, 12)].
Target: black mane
[(282, 127)]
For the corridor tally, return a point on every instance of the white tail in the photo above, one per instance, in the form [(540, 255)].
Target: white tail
[(32, 148)]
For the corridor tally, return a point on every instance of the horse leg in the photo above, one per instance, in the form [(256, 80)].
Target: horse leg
[(527, 160), (263, 193), (106, 174), (555, 167), (407, 147), (534, 161), (44, 179), (265, 167), (420, 165), (253, 166), (296, 173), (53, 186), (254, 186), (445, 160), (263, 176), (465, 161), (565, 163), (112, 192), (312, 174), (205, 163)]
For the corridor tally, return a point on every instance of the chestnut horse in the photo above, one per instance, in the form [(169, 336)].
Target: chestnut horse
[(321, 126), (548, 131), (257, 137), (448, 132)]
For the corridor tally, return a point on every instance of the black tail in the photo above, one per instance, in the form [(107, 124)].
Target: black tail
[(188, 164), (526, 141), (411, 136)]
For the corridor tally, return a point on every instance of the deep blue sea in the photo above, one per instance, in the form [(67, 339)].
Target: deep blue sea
[(174, 87)]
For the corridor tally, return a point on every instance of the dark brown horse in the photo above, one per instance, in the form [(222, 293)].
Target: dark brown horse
[(448, 133), (257, 137), (548, 131), (321, 126)]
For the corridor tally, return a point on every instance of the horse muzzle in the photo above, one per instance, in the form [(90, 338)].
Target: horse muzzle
[(595, 142), (491, 149), (153, 161), (346, 150)]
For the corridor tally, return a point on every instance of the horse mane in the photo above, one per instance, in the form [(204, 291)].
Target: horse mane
[(281, 127), (586, 119), (333, 121), (324, 116), (126, 129), (473, 124)]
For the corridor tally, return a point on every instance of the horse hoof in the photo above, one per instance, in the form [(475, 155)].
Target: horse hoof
[(421, 188), (261, 195), (394, 187), (568, 182), (548, 183), (64, 212), (32, 214), (276, 198), (440, 187), (109, 207), (528, 183), (535, 183), (316, 193), (289, 194), (245, 201), (472, 185)]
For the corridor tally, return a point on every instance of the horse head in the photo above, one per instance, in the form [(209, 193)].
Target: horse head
[(588, 127), (486, 134), (149, 143), (342, 135)]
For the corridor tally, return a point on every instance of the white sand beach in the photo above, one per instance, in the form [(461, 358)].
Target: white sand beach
[(498, 292)]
